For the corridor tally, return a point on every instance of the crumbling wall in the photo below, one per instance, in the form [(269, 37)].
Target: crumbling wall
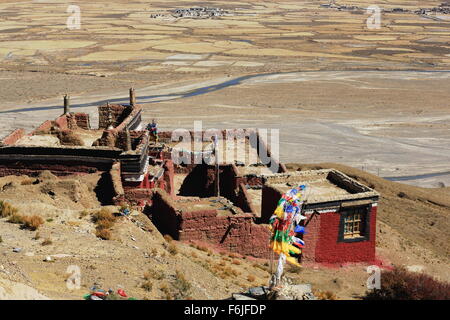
[(118, 191), (168, 177), (234, 233), (44, 127), (13, 137), (62, 122), (82, 120), (117, 112), (163, 214), (270, 198), (243, 200), (122, 116)]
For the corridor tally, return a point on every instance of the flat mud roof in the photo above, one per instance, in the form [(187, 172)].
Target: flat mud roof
[(325, 185)]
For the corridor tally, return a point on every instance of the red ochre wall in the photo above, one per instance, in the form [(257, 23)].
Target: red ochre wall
[(14, 136), (234, 233), (329, 249)]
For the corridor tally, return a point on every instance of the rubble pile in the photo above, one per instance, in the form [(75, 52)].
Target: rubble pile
[(195, 13), (286, 292)]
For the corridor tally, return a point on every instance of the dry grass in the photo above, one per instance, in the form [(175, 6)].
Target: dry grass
[(103, 215), (182, 286), (28, 222), (6, 209), (172, 248), (104, 234), (153, 274), (325, 295), (168, 238), (251, 278), (236, 262), (147, 286), (104, 220), (47, 242), (83, 214)]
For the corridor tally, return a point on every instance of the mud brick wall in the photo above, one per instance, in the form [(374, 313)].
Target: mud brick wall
[(118, 191), (168, 177), (13, 137), (139, 197), (243, 200), (33, 169), (118, 114), (270, 198), (250, 180), (44, 127), (62, 122), (330, 249), (163, 214), (234, 233), (82, 120)]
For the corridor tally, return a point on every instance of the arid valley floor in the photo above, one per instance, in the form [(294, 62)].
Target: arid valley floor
[(376, 102)]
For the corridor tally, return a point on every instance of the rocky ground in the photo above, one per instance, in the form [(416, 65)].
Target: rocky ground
[(38, 264)]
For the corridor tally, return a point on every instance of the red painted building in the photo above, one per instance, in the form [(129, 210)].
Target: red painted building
[(341, 214)]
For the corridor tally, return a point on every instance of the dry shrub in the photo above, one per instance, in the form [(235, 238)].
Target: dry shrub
[(103, 214), (27, 182), (6, 209), (262, 267), (104, 219), (104, 234), (251, 278), (47, 242), (104, 224), (167, 293), (236, 262), (69, 138), (168, 238), (147, 286), (325, 295), (153, 274), (32, 222), (28, 222), (181, 285), (15, 218), (83, 214), (400, 284), (173, 250)]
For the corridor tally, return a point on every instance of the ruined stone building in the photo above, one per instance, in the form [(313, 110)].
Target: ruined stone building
[(227, 204)]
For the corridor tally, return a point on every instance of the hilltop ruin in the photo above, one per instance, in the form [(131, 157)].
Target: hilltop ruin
[(226, 204)]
